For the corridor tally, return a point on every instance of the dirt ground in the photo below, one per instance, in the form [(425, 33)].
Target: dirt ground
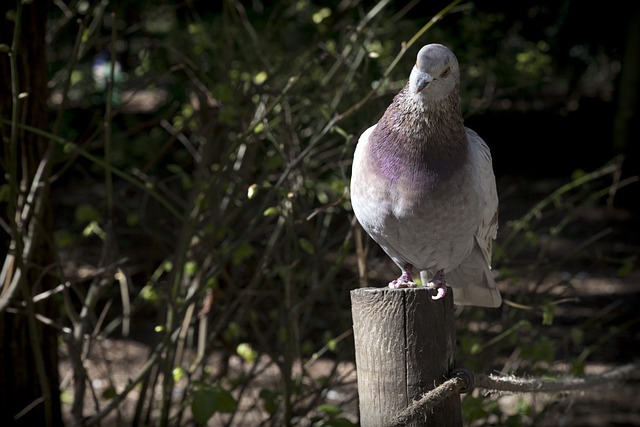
[(599, 292), (118, 360), (115, 361)]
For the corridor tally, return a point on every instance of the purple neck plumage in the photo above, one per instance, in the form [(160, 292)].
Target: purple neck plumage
[(424, 143)]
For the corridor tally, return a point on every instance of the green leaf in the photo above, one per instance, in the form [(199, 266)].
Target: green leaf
[(577, 174), (475, 348), (577, 336), (328, 409), (577, 367), (86, 213), (339, 422), (251, 191), (233, 332), (207, 400), (66, 396), (133, 218), (271, 211), (260, 77), (64, 239), (245, 351), (547, 314), (244, 251), (148, 293), (473, 408), (190, 268), (269, 400), (627, 267), (307, 246), (321, 15), (109, 393), (178, 372), (94, 228), (5, 191)]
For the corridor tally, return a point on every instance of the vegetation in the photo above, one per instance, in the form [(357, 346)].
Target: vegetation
[(198, 157)]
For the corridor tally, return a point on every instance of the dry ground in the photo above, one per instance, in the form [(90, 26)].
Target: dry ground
[(601, 291), (114, 361)]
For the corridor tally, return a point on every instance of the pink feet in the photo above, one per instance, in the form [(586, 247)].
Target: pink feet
[(404, 281), (439, 283)]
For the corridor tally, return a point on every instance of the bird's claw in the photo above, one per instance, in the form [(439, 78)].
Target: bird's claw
[(441, 291), (399, 284), (439, 284), (404, 281)]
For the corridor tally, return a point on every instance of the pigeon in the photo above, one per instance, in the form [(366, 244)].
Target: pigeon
[(422, 186)]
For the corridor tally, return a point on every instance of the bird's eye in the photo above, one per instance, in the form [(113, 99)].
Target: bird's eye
[(446, 72)]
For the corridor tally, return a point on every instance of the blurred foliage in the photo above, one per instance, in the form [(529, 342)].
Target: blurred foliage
[(231, 136)]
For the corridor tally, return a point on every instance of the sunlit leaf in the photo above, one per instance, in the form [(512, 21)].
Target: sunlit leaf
[(247, 352), (177, 372), (66, 396), (258, 128), (251, 191), (190, 268), (321, 15), (260, 78), (271, 211), (93, 228)]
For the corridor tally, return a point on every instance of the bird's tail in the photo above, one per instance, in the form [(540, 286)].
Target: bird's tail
[(472, 282), (485, 294)]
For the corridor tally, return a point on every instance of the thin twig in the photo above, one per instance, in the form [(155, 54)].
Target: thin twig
[(405, 46), (73, 147), (108, 128)]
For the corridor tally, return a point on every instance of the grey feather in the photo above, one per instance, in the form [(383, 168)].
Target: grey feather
[(423, 187)]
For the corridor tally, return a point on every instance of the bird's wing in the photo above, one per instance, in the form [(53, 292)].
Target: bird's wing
[(477, 285), (363, 190), (488, 227)]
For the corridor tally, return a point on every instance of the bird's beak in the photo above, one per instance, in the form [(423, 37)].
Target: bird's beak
[(422, 81)]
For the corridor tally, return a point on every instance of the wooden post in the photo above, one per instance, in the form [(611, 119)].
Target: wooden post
[(405, 344)]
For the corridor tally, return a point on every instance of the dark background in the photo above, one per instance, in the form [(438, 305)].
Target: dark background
[(232, 129)]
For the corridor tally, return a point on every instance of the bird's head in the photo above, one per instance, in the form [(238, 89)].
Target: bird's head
[(435, 74)]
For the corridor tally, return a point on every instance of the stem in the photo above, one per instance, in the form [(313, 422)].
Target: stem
[(13, 266), (67, 83), (405, 46), (15, 97), (70, 146), (108, 175)]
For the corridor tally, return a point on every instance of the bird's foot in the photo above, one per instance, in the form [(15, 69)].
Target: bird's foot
[(398, 284), (404, 281), (439, 283)]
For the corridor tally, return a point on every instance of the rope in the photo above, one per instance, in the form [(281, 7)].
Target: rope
[(463, 381)]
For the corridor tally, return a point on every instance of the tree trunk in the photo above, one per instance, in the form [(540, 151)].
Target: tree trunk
[(29, 395), (626, 129), (405, 346)]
